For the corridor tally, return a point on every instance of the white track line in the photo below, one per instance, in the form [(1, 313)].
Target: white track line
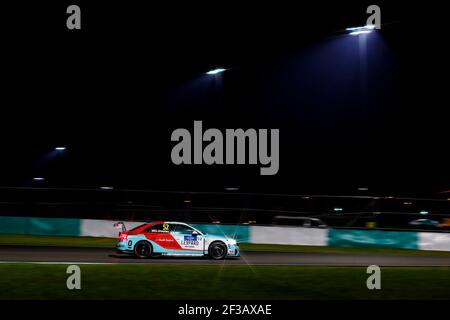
[(210, 264)]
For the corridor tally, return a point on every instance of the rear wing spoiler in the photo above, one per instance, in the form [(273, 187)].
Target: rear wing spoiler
[(120, 225)]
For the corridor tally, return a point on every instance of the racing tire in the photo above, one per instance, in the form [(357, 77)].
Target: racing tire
[(143, 250), (217, 250)]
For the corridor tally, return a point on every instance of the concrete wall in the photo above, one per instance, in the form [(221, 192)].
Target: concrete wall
[(434, 241), (102, 228), (288, 235)]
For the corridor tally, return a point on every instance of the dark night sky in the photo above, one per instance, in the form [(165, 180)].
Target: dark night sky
[(115, 91)]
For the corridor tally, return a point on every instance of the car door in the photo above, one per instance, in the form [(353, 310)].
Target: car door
[(190, 240), (160, 234)]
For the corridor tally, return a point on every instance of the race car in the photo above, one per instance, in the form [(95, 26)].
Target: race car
[(174, 239)]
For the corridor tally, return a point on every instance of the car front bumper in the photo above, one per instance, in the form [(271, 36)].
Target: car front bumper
[(233, 250)]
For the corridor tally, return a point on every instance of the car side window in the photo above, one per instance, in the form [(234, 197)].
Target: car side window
[(181, 228)]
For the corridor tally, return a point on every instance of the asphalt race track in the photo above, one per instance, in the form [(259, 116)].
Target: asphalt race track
[(52, 254)]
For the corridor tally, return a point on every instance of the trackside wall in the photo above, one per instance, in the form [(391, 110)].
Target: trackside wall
[(243, 233)]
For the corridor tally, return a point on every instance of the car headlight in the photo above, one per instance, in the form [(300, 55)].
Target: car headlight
[(232, 241)]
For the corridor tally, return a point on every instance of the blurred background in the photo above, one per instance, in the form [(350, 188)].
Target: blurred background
[(87, 115)]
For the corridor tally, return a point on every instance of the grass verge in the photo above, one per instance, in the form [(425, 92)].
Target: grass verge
[(36, 281)]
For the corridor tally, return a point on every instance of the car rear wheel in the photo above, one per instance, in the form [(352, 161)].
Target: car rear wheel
[(217, 250), (143, 249)]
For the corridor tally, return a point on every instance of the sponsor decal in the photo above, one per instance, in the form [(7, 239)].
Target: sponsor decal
[(191, 240), (159, 231)]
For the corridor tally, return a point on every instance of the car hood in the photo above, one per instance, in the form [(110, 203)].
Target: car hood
[(218, 237)]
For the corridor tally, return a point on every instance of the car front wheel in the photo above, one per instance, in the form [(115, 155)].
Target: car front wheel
[(217, 250)]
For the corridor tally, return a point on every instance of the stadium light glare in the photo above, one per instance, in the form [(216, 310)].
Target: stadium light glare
[(423, 212), (106, 188), (354, 31), (38, 179), (215, 71), (60, 148)]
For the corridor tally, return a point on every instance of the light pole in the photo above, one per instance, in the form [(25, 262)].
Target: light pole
[(216, 73), (362, 35)]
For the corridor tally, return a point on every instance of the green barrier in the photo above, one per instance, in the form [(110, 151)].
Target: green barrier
[(239, 232), (40, 226), (373, 238)]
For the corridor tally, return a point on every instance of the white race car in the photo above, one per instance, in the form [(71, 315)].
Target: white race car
[(175, 239)]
